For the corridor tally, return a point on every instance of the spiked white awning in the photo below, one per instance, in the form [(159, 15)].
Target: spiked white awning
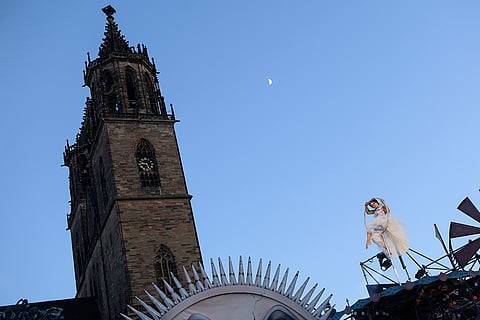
[(236, 296)]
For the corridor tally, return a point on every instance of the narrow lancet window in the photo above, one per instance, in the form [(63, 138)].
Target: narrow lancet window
[(109, 95), (131, 89), (165, 266), (151, 98)]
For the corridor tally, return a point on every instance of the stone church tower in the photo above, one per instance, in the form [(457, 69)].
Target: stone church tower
[(131, 220)]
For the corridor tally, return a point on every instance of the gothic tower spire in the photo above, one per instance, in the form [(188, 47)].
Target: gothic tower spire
[(131, 219), (128, 86), (114, 41)]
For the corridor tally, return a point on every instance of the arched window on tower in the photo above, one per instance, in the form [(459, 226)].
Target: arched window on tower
[(103, 182), (164, 266), (83, 173), (131, 89), (147, 165), (109, 95), (151, 99)]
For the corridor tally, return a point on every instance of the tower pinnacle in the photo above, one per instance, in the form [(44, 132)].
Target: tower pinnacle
[(113, 40)]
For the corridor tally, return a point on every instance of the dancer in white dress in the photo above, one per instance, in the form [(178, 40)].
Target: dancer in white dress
[(384, 229)]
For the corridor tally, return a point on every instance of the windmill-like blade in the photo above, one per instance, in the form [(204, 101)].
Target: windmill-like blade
[(461, 230), (464, 254), (467, 207)]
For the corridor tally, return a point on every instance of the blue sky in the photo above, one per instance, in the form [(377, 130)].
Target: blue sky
[(369, 98)]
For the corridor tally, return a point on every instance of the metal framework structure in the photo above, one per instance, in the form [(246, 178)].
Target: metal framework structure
[(447, 288)]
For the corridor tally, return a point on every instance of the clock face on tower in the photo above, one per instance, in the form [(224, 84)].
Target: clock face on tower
[(145, 164)]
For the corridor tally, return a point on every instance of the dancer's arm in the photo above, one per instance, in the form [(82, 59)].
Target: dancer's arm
[(386, 208)]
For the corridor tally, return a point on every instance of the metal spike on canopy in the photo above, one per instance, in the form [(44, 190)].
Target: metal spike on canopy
[(258, 277), (154, 313), (241, 272), (163, 296), (183, 292), (311, 305), (173, 294), (306, 298), (274, 284), (249, 272), (160, 306), (321, 307), (198, 283), (190, 285), (283, 283), (266, 279), (139, 314), (231, 272), (206, 281), (223, 276), (125, 317), (216, 281), (299, 293), (291, 287)]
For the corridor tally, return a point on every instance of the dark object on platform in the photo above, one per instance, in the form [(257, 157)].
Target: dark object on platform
[(384, 261)]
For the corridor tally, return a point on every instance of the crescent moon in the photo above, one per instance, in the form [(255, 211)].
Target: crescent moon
[(269, 81)]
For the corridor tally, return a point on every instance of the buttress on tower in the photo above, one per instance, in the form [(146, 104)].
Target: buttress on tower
[(131, 220)]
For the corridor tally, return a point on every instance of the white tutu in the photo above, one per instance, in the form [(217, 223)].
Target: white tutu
[(388, 228)]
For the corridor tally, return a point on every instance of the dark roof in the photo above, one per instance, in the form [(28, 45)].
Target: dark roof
[(71, 309), (443, 296)]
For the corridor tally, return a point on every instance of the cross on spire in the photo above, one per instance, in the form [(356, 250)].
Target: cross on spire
[(109, 10)]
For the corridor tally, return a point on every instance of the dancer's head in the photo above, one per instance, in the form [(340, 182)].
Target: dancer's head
[(373, 203)]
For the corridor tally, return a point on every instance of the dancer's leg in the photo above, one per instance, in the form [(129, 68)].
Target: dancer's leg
[(369, 240)]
